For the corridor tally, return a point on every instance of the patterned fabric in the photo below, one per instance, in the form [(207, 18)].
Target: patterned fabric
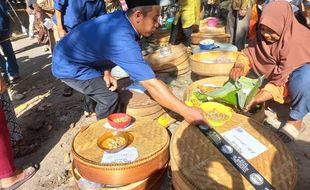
[(14, 128)]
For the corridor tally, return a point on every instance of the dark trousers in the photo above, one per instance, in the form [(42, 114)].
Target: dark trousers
[(185, 33), (9, 66), (97, 95)]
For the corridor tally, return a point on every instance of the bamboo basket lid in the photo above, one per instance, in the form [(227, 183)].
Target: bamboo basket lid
[(151, 183), (178, 55), (197, 164), (139, 105), (219, 81), (197, 37), (213, 63), (150, 140)]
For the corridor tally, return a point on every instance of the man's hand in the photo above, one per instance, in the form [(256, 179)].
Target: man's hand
[(195, 116), (2, 85), (61, 33), (110, 81), (161, 93), (260, 97), (242, 12), (236, 71)]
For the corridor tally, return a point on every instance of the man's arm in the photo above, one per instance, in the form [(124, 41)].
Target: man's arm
[(161, 93), (59, 19)]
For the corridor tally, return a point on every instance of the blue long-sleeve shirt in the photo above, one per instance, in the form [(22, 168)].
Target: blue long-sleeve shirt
[(77, 11)]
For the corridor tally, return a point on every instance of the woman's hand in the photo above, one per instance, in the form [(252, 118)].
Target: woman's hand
[(2, 85), (236, 71), (110, 81), (260, 97)]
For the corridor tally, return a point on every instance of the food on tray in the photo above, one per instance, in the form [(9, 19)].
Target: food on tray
[(217, 116), (114, 142), (205, 89)]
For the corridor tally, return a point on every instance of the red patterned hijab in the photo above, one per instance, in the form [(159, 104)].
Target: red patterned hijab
[(278, 60)]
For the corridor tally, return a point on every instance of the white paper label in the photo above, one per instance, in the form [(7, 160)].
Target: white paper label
[(248, 146), (126, 155)]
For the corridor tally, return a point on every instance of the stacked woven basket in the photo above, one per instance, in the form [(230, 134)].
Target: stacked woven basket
[(213, 63), (215, 33), (140, 105), (177, 61), (197, 164), (144, 173)]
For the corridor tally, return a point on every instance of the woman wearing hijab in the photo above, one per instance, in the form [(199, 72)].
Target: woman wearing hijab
[(281, 53)]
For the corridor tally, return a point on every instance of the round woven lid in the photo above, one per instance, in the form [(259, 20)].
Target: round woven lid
[(178, 55), (136, 100), (197, 164), (150, 139)]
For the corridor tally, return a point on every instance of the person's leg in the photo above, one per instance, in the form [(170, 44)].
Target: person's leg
[(96, 89), (299, 93), (3, 68), (231, 23), (31, 25), (7, 166), (12, 66), (175, 29), (187, 36)]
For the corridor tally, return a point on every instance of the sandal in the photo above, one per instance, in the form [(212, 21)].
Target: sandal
[(288, 133), (68, 91), (27, 174)]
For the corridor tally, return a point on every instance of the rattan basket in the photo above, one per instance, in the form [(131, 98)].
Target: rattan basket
[(151, 183), (176, 61), (197, 164), (197, 37), (204, 28), (139, 105), (199, 63), (151, 141), (162, 36), (220, 81)]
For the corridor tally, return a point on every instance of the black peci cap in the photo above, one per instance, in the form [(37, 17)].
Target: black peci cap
[(137, 3)]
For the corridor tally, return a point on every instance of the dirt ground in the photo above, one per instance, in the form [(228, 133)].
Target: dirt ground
[(49, 121)]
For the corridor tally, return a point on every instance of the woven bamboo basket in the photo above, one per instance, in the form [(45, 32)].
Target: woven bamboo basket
[(197, 164), (197, 37), (199, 63), (151, 141), (220, 81), (151, 183), (162, 36), (204, 28), (139, 105), (177, 60)]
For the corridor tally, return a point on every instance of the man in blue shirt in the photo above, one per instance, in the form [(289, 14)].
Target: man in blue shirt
[(84, 57), (71, 13)]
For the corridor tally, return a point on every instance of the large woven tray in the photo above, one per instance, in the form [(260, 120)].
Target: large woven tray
[(197, 164), (178, 55), (150, 140), (212, 69), (220, 81), (151, 183)]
